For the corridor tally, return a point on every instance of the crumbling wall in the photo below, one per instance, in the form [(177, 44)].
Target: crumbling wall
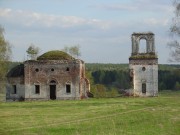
[(62, 72), (148, 74), (18, 82)]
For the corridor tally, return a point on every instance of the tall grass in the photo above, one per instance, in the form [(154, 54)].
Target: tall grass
[(2, 91), (112, 116)]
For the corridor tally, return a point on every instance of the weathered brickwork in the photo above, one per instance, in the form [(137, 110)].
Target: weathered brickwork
[(143, 61), (144, 66)]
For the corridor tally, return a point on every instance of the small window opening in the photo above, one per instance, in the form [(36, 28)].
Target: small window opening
[(37, 70), (67, 69), (14, 89), (37, 89), (144, 88), (68, 88), (52, 69), (143, 68)]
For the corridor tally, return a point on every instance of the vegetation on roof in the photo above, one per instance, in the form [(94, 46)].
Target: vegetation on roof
[(144, 56), (140, 33), (55, 55)]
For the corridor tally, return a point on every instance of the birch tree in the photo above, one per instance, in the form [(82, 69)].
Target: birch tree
[(5, 55), (33, 52), (174, 45)]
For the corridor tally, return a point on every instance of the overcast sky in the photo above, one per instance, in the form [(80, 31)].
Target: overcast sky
[(102, 28)]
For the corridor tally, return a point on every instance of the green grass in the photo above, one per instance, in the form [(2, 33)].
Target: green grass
[(2, 97), (111, 116)]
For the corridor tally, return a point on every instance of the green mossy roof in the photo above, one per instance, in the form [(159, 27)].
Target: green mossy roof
[(144, 56), (55, 55)]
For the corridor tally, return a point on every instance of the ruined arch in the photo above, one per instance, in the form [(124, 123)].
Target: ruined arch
[(148, 37)]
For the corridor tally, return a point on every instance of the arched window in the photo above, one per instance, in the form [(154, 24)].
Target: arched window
[(68, 87)]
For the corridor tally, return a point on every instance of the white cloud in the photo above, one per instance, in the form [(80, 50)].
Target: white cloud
[(26, 18), (119, 7), (138, 6), (157, 22), (5, 12)]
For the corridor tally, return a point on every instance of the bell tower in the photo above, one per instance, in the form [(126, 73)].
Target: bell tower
[(144, 66)]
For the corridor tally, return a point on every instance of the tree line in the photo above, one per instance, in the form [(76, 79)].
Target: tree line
[(110, 79), (167, 80), (118, 79)]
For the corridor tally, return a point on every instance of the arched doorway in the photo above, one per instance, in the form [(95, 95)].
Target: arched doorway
[(52, 89)]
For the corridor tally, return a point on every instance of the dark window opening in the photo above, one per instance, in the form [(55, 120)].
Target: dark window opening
[(143, 68), (144, 88), (53, 92), (68, 88), (37, 70), (37, 89), (14, 89), (67, 69), (52, 69)]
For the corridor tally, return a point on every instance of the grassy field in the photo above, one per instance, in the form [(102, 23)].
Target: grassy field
[(2, 97), (111, 116)]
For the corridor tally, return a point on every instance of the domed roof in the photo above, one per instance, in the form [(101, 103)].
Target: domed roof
[(17, 71), (55, 55)]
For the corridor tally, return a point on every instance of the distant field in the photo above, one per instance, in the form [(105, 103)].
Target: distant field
[(110, 116)]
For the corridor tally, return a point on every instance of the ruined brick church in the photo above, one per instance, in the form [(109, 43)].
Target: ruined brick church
[(54, 75), (57, 75)]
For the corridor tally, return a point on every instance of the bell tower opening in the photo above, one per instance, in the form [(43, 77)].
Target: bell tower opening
[(142, 46)]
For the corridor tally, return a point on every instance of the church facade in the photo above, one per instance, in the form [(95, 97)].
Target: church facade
[(54, 75)]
